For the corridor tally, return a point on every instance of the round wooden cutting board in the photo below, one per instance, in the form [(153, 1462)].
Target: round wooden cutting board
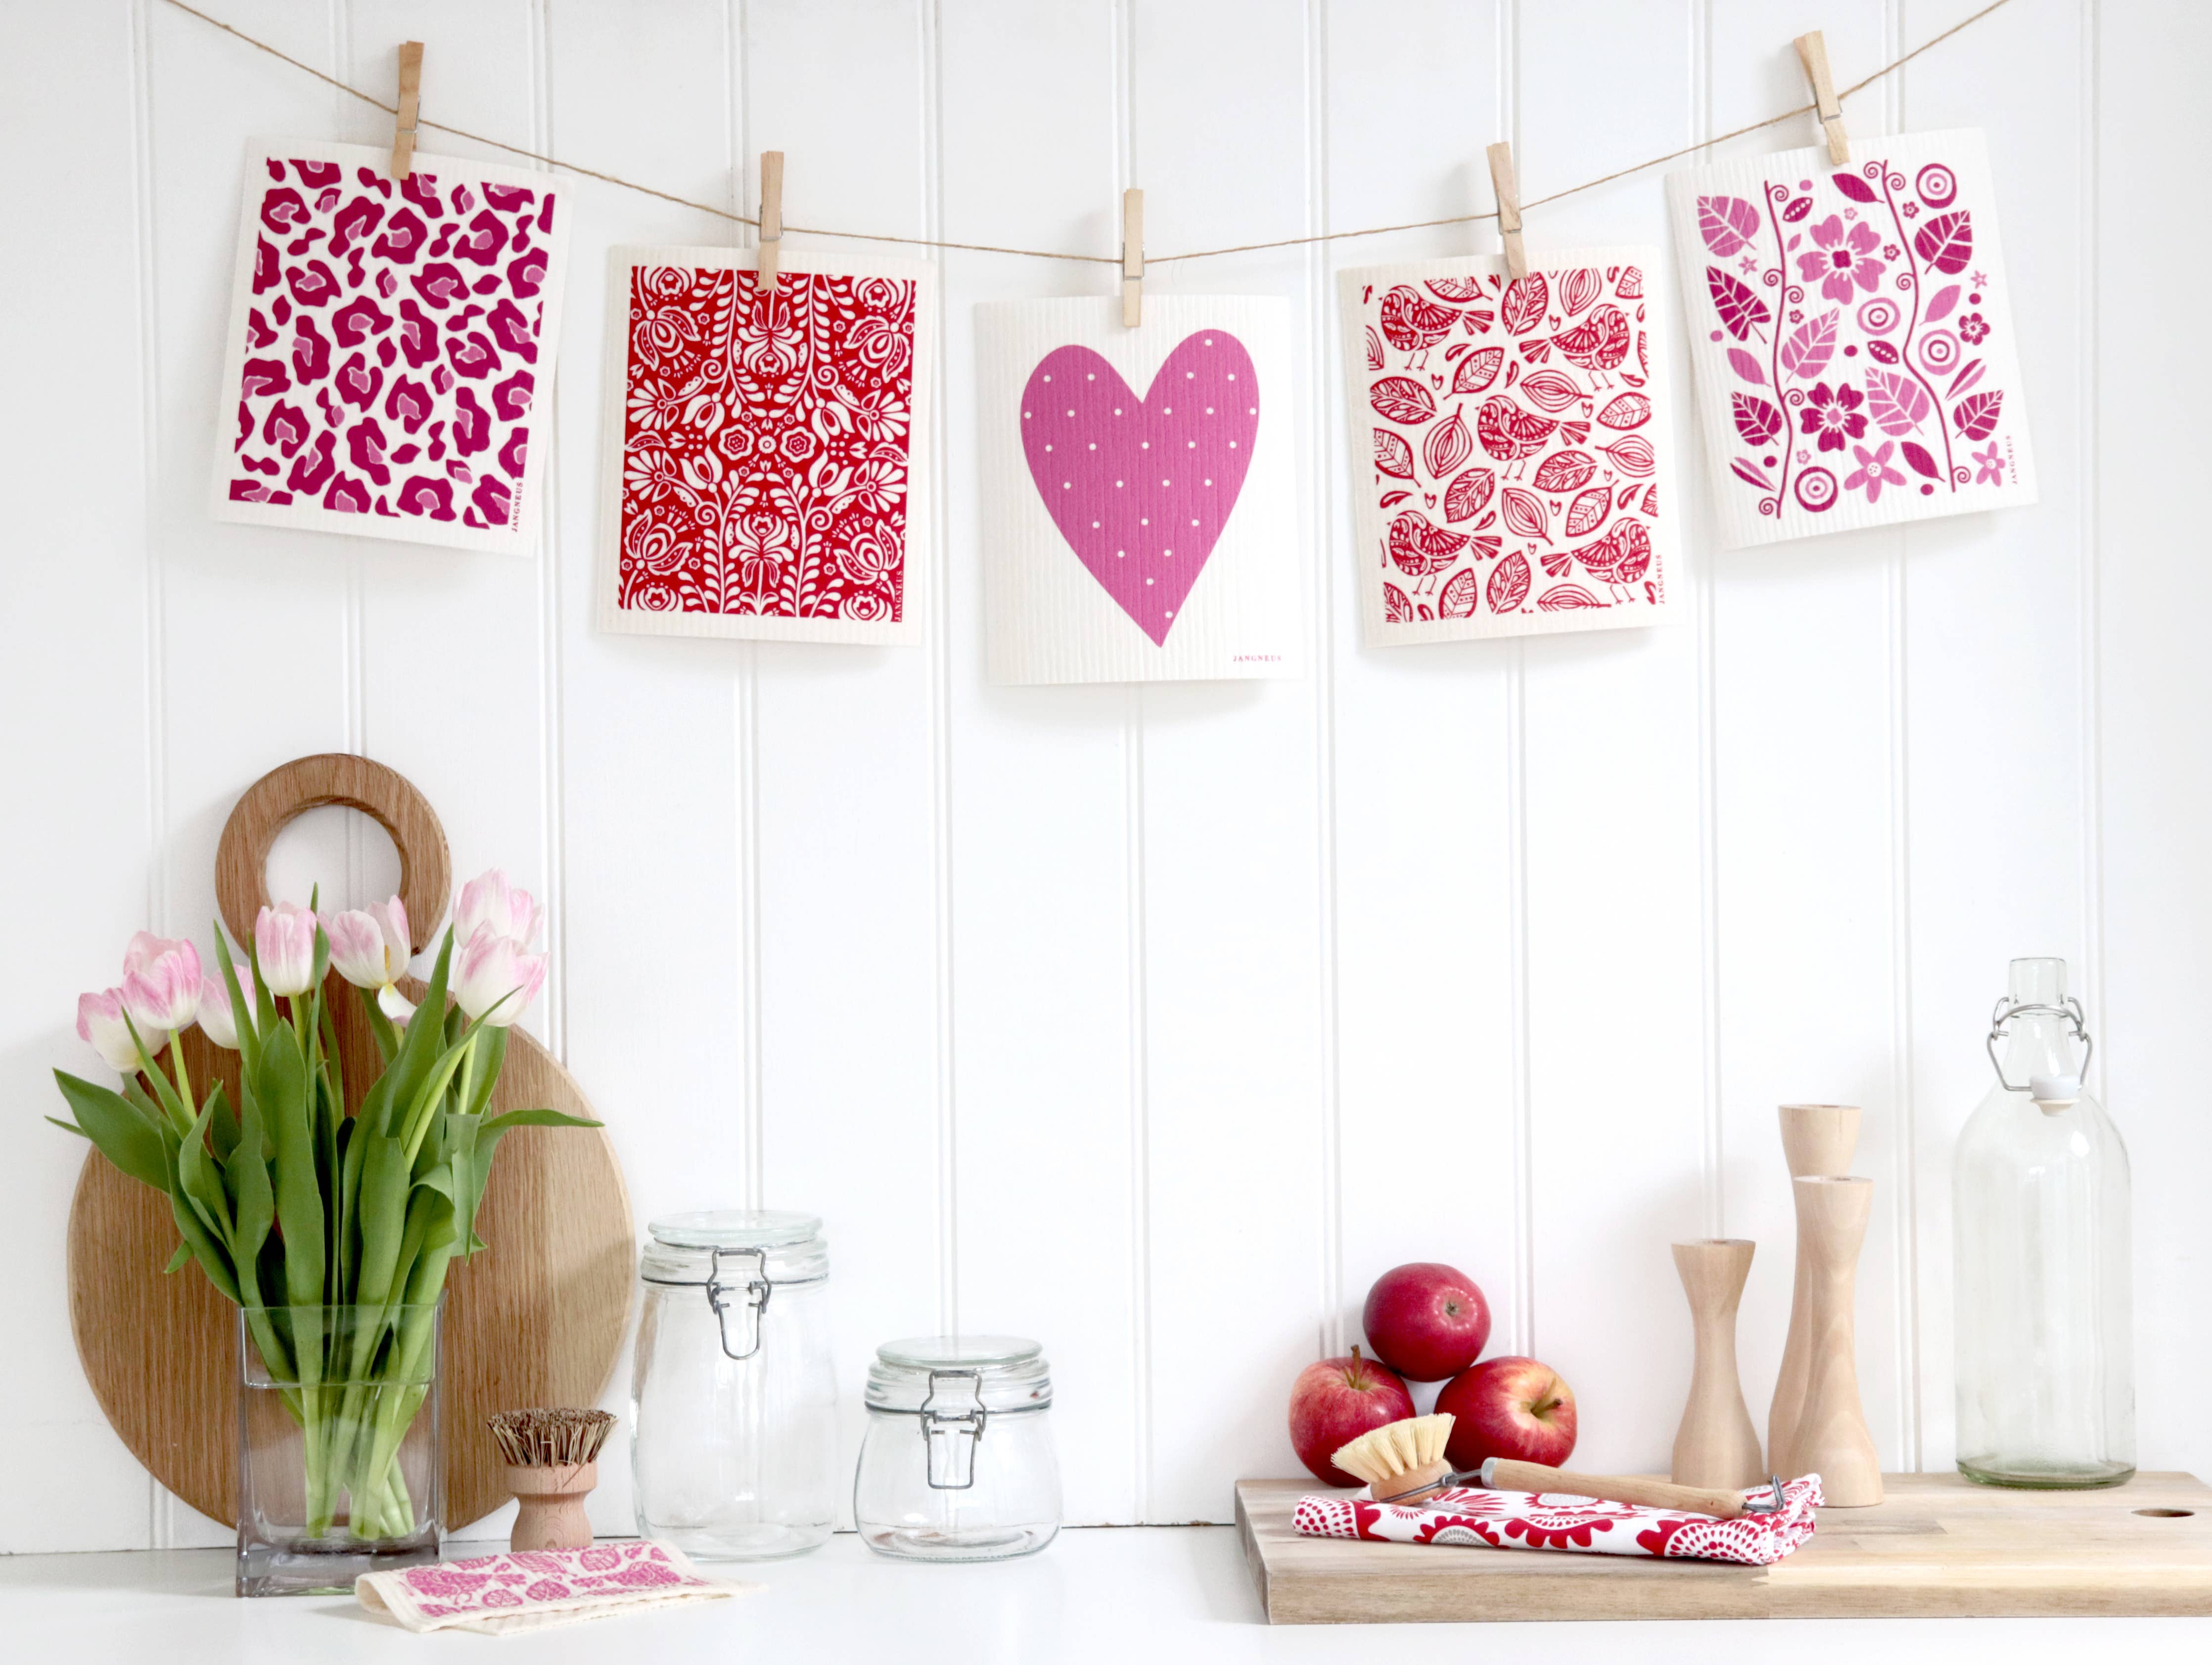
[(535, 1319)]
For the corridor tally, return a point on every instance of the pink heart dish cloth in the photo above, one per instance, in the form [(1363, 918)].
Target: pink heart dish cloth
[(536, 1589), (1551, 1520)]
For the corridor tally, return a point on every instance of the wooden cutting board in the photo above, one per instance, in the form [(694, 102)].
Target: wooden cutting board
[(537, 1319), (1937, 1547)]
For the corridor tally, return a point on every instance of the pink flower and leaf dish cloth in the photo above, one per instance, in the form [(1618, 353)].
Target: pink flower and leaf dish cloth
[(1466, 1517), (537, 1589)]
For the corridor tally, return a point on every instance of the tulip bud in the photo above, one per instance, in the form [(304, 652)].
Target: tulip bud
[(215, 1006), (285, 942), (491, 969), (489, 899), (99, 1021), (160, 983)]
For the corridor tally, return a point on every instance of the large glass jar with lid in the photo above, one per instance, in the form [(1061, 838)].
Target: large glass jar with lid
[(957, 1463), (2042, 1306), (733, 1407)]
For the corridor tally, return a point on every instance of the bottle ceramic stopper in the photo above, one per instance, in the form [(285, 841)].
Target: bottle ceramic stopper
[(1716, 1446), (549, 1505), (1816, 1139), (1830, 1438)]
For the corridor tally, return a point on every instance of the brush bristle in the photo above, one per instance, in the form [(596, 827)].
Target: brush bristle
[(549, 1439), (1395, 1447)]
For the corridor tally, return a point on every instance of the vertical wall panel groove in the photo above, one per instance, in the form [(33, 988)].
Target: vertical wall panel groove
[(2087, 247), (158, 1501), (1522, 1328), (1709, 879), (1324, 381), (930, 17)]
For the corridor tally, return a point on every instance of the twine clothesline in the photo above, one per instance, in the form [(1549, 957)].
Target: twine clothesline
[(1860, 86)]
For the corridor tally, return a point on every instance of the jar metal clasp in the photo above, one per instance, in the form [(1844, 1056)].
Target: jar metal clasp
[(2069, 1013), (747, 1301), (952, 1419)]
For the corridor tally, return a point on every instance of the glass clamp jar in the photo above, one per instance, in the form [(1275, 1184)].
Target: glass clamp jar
[(733, 1408), (2042, 1252), (982, 1482)]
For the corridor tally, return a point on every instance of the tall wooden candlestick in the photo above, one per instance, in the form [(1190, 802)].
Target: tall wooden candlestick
[(1816, 1139), (1716, 1445), (1830, 1438)]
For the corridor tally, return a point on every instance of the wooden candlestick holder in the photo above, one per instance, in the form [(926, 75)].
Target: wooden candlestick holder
[(1816, 1139), (1830, 1437), (1715, 1446)]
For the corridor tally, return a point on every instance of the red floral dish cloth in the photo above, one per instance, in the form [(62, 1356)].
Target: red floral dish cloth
[(539, 1588), (1555, 1520)]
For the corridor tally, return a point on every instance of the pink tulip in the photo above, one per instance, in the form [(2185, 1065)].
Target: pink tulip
[(100, 1020), (489, 899), (492, 967), (145, 948), (369, 947), (284, 940), (160, 983), (214, 1007)]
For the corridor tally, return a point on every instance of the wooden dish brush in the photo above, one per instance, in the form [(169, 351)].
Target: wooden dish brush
[(1404, 1462), (551, 1467)]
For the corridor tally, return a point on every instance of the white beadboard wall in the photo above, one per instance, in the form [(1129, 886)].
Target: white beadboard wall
[(1121, 1017)]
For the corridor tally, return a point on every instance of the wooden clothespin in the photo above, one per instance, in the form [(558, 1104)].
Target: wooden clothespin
[(411, 107), (1132, 258), (1509, 210), (1814, 52), (771, 220)]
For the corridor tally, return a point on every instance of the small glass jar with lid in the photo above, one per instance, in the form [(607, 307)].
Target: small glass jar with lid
[(957, 1463), (733, 1406)]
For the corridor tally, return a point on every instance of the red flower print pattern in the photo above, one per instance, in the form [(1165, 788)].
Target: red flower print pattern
[(1865, 338), (766, 445), (1466, 1517), (395, 340), (1513, 449)]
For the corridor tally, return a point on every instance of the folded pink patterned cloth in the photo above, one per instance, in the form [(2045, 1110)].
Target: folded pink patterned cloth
[(536, 1590), (1555, 1519)]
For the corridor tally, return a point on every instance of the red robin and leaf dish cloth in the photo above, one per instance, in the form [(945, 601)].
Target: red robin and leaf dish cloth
[(1464, 1516)]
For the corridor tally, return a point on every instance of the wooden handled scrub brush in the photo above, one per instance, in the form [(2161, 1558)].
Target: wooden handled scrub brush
[(1404, 1462), (551, 1468)]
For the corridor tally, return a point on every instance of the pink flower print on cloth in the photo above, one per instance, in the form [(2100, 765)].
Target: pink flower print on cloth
[(1467, 1517), (535, 1589), (1852, 336), (389, 341), (1841, 258)]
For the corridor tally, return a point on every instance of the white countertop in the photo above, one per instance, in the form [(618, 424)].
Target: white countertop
[(1154, 1595)]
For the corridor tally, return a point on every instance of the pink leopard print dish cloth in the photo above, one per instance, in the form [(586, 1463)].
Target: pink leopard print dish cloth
[(536, 1589), (1465, 1517)]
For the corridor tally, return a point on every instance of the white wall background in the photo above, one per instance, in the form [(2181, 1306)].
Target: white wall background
[(1115, 1015)]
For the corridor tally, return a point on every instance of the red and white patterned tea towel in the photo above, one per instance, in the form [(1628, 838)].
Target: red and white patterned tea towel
[(536, 1589), (1555, 1519)]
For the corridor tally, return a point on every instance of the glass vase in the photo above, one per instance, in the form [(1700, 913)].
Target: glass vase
[(340, 1454), (2040, 1212)]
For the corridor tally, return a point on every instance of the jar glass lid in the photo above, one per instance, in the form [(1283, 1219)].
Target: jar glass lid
[(1001, 1373), (959, 1352), (735, 1228)]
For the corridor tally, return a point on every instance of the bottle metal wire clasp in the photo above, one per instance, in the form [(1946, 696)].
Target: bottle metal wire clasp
[(2070, 1010), (953, 1428), (748, 1300)]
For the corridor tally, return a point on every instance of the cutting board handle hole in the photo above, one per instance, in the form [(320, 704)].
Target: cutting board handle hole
[(2167, 1514), (349, 853)]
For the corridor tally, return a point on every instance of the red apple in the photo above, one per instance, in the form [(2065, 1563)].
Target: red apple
[(1335, 1402), (1426, 1321), (1508, 1407)]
